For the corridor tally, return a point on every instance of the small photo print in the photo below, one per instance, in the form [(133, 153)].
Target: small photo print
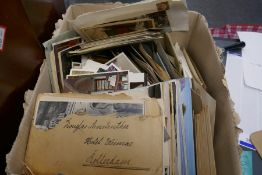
[(108, 82), (50, 113)]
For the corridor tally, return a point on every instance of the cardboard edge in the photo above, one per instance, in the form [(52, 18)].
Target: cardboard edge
[(15, 158), (256, 139), (65, 24), (227, 160)]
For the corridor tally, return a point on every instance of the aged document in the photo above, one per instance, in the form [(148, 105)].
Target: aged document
[(88, 143)]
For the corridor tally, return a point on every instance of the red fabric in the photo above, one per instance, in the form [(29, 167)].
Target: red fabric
[(230, 31)]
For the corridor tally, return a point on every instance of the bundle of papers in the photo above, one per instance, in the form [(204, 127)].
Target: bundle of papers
[(114, 132), (89, 76), (125, 101), (144, 62)]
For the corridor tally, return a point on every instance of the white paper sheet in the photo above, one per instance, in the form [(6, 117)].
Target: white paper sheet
[(253, 75), (123, 62), (242, 77), (234, 76), (252, 52), (136, 77)]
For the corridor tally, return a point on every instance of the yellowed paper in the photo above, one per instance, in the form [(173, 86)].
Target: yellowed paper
[(54, 73), (205, 159), (195, 72), (206, 100), (90, 145), (87, 142), (178, 22)]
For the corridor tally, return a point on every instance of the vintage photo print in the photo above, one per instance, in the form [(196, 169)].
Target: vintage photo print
[(50, 113)]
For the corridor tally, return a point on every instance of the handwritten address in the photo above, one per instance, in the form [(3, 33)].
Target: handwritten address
[(80, 125), (107, 141), (98, 158), (106, 155), (105, 160)]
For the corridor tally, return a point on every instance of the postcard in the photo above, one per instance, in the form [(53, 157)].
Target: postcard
[(161, 93), (137, 80), (152, 77), (58, 39), (50, 113), (122, 38), (170, 68), (194, 70), (65, 64), (117, 41), (75, 71), (100, 144), (93, 66), (184, 125), (110, 68), (118, 28), (182, 60), (124, 63), (162, 75), (159, 11), (59, 46), (174, 60), (98, 83)]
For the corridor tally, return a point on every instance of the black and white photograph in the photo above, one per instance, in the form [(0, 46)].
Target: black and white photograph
[(106, 82), (50, 113)]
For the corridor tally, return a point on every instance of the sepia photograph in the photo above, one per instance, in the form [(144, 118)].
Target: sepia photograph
[(105, 82), (50, 113), (118, 28)]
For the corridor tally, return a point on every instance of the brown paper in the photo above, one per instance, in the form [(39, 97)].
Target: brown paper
[(206, 100), (256, 139), (78, 145), (195, 72), (205, 160), (196, 102), (92, 139)]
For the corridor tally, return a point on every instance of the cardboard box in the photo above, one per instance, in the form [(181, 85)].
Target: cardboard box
[(200, 46)]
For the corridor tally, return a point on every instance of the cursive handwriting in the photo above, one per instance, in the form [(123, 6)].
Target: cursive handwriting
[(100, 158), (94, 141), (75, 126), (79, 125), (109, 125), (115, 142), (103, 160), (108, 141)]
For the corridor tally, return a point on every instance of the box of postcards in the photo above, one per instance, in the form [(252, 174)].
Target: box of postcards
[(134, 89)]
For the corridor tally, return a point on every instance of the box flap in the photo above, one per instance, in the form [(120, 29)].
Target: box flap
[(256, 139)]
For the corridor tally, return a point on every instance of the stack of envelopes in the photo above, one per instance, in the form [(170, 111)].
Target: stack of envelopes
[(127, 100)]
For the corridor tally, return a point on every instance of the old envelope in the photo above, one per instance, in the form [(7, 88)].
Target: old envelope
[(81, 140)]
